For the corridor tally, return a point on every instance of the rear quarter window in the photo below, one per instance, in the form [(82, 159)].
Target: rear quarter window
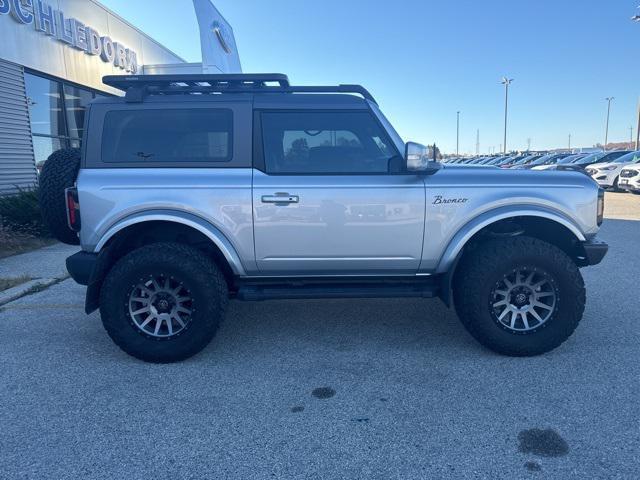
[(171, 136)]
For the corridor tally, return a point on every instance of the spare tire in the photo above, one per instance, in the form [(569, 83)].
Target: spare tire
[(59, 172)]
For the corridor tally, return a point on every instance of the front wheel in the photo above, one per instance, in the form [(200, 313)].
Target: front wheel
[(519, 296), (163, 302)]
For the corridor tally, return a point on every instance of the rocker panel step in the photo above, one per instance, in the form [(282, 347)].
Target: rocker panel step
[(348, 290)]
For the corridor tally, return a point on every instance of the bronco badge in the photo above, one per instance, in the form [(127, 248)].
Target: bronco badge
[(438, 199)]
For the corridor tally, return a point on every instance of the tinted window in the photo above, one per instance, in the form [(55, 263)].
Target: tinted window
[(180, 136), (325, 143)]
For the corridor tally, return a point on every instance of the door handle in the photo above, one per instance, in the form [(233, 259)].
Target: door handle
[(280, 198)]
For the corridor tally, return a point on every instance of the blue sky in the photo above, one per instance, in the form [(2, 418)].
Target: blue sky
[(424, 60)]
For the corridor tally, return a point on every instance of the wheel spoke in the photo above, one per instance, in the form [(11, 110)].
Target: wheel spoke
[(544, 294), (155, 284), (177, 318), (147, 320), (182, 309), (514, 317), (525, 320), (140, 300), (504, 293), (507, 282), (539, 284), (518, 277), (144, 289), (504, 313), (542, 305), (158, 325), (501, 302), (535, 314), (170, 326), (142, 310), (529, 278)]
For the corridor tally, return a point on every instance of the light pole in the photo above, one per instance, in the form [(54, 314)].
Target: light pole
[(638, 129), (630, 136), (506, 82), (636, 18), (569, 142), (457, 132), (606, 128)]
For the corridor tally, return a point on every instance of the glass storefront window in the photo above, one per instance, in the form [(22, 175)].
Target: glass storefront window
[(56, 112), (45, 146), (75, 102), (45, 105)]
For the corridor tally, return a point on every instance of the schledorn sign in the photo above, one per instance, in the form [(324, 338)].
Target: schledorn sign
[(52, 22)]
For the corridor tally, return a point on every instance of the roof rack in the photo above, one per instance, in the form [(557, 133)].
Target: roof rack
[(136, 87)]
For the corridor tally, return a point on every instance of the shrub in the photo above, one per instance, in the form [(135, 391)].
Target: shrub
[(20, 212)]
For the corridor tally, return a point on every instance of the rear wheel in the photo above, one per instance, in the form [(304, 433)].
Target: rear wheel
[(519, 296), (163, 302)]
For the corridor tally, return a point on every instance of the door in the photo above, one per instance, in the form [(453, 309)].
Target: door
[(330, 197)]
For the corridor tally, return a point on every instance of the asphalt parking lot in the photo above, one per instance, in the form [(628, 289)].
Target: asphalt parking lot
[(328, 389)]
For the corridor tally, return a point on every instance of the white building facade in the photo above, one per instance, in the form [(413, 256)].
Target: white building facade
[(53, 55)]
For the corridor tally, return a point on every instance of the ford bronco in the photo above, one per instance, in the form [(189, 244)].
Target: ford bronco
[(193, 189)]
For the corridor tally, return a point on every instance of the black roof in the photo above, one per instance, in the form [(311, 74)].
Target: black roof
[(136, 87)]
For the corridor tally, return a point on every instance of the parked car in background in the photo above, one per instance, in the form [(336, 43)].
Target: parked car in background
[(630, 179), (563, 161), (548, 159), (607, 174), (526, 159), (598, 157), (512, 161)]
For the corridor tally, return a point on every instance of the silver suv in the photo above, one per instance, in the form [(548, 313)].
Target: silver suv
[(192, 190)]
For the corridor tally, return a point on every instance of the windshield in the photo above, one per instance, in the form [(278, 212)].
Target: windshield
[(591, 158), (542, 159), (632, 157), (527, 159), (395, 137), (570, 159)]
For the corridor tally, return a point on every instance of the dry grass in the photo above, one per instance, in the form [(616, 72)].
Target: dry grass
[(7, 283), (13, 243)]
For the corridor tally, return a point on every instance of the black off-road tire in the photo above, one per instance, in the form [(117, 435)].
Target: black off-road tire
[(59, 172), (186, 265), (481, 268)]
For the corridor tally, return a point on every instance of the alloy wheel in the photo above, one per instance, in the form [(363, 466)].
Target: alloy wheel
[(523, 300)]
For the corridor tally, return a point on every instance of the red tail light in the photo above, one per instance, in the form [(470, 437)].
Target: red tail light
[(73, 209)]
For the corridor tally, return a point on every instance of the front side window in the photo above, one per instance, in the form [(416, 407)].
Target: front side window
[(167, 135), (325, 143)]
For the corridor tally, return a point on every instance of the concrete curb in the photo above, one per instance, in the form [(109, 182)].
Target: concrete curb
[(26, 288)]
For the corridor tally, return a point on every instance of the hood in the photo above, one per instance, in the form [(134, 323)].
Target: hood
[(450, 166), (599, 166), (498, 178)]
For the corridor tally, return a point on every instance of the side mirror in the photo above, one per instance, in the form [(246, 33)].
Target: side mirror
[(419, 160)]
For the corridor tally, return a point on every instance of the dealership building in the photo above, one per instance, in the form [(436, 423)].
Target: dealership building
[(53, 55)]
